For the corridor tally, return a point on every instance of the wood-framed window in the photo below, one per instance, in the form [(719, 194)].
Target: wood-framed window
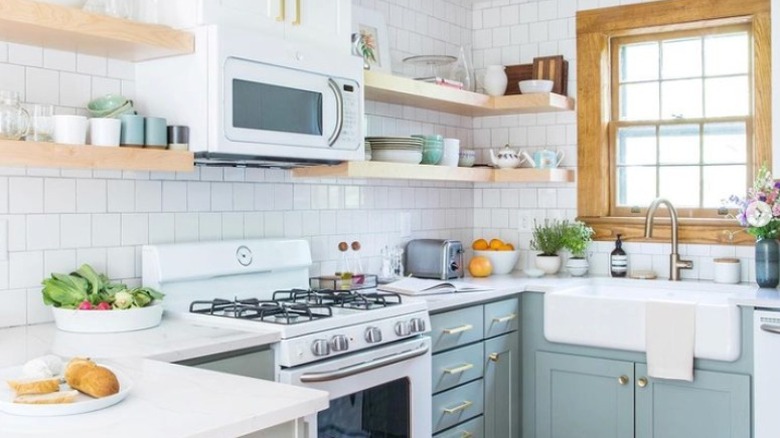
[(655, 119)]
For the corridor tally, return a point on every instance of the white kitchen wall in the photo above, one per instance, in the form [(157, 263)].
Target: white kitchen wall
[(511, 32)]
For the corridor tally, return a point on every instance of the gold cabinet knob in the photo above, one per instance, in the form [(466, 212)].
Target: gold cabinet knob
[(641, 382), (623, 380), (493, 357)]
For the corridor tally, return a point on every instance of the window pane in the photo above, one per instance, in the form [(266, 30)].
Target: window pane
[(678, 144), (680, 185), (681, 58), (636, 186), (639, 62), (636, 145), (737, 60), (639, 101), (726, 97), (720, 182), (725, 143), (681, 99)]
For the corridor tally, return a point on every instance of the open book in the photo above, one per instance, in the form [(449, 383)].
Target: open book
[(422, 286)]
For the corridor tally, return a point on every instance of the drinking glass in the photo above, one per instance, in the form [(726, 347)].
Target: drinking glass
[(41, 126)]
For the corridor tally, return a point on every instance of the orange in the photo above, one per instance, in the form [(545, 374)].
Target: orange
[(480, 245), (480, 267), (496, 244), (507, 247)]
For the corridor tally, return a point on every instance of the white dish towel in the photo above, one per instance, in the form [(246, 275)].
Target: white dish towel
[(670, 329)]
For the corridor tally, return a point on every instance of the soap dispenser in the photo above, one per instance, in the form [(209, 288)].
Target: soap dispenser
[(618, 260)]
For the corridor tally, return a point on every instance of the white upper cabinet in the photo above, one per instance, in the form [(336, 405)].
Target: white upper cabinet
[(324, 23)]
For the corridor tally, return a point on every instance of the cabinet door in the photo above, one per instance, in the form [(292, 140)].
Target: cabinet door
[(502, 386), (714, 405), (582, 397), (322, 22)]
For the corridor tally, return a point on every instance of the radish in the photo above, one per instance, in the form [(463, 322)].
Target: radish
[(103, 306), (85, 305)]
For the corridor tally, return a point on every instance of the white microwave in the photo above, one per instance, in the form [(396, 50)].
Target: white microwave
[(254, 100)]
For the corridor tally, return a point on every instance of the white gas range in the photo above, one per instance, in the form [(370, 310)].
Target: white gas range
[(361, 346)]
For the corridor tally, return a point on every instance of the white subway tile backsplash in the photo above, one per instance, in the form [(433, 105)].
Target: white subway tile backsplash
[(135, 229), (75, 230), (186, 227), (91, 196), (120, 262), (121, 196), (25, 269), (75, 89), (43, 231), (162, 228), (209, 226), (42, 86), (26, 195), (13, 312), (174, 196), (106, 229)]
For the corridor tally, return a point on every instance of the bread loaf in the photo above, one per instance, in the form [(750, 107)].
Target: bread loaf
[(76, 368), (47, 399), (34, 386), (98, 382)]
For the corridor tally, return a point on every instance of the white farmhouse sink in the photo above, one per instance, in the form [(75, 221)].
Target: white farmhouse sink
[(611, 314)]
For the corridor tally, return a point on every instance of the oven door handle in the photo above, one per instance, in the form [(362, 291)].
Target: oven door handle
[(339, 111), (771, 328), (363, 367)]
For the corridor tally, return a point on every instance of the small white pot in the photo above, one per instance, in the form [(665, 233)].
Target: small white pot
[(495, 80), (549, 264), (577, 267)]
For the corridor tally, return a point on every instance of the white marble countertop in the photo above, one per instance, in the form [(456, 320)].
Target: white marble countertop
[(744, 294), (166, 399)]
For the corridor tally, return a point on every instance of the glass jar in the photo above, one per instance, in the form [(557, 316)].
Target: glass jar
[(14, 120)]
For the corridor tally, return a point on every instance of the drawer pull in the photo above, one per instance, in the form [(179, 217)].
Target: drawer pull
[(466, 434), (461, 329), (493, 357), (282, 13), (460, 369), (500, 319), (463, 406)]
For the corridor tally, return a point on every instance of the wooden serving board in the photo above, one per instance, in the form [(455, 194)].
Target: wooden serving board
[(554, 68), (515, 74)]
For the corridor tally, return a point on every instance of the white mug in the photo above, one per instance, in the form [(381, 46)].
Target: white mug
[(451, 152), (70, 129), (104, 132)]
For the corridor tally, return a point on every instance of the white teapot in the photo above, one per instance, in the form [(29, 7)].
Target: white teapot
[(506, 158)]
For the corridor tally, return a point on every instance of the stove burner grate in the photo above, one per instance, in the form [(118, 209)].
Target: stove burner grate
[(339, 298), (267, 311)]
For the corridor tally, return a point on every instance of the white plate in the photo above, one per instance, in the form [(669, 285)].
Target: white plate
[(107, 321), (396, 156), (82, 404)]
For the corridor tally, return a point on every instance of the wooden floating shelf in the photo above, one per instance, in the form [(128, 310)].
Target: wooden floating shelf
[(37, 154), (404, 91), (382, 170), (72, 29)]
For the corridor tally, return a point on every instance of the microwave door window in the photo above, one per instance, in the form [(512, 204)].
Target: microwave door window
[(266, 107)]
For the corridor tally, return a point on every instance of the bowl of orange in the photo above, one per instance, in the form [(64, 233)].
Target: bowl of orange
[(503, 256)]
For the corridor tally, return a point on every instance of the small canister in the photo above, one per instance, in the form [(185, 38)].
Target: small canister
[(727, 270)]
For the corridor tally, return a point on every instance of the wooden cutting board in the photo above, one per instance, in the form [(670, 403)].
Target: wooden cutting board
[(553, 68)]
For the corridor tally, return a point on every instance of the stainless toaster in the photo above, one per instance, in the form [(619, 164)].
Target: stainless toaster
[(434, 258)]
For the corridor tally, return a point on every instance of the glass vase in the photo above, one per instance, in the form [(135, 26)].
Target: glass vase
[(463, 70), (767, 263)]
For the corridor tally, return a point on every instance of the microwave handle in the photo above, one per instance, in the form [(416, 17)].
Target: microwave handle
[(339, 114)]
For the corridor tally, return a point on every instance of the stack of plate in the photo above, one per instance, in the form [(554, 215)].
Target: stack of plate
[(396, 149)]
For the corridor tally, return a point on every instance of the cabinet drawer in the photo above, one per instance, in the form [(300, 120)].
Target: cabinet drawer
[(459, 327), (470, 429), (456, 367), (457, 405), (501, 317)]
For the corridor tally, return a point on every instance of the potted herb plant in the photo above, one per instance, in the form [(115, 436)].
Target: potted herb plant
[(549, 239), (576, 239)]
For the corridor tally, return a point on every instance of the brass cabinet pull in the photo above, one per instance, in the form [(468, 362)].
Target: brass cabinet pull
[(493, 357), (500, 319), (461, 329), (463, 406), (297, 21), (460, 369), (641, 382), (623, 380), (282, 10)]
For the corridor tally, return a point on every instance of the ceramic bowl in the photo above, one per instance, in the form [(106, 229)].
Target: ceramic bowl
[(535, 86), (503, 261), (432, 154), (110, 105), (396, 156), (107, 321), (466, 158)]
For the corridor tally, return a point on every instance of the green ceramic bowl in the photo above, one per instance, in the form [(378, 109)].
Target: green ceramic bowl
[(433, 148), (108, 105)]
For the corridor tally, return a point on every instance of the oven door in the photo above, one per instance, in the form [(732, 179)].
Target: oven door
[(381, 392)]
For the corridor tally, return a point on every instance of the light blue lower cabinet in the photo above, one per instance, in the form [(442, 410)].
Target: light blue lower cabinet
[(502, 386), (582, 397), (470, 429), (586, 397), (714, 405), (457, 405)]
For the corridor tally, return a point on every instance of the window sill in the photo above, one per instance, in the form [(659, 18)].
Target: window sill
[(702, 231)]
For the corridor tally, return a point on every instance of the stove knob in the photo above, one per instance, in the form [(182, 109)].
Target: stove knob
[(339, 343), (418, 325), (402, 328), (320, 347), (373, 335)]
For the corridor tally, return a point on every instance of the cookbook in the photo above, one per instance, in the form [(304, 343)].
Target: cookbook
[(423, 286)]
